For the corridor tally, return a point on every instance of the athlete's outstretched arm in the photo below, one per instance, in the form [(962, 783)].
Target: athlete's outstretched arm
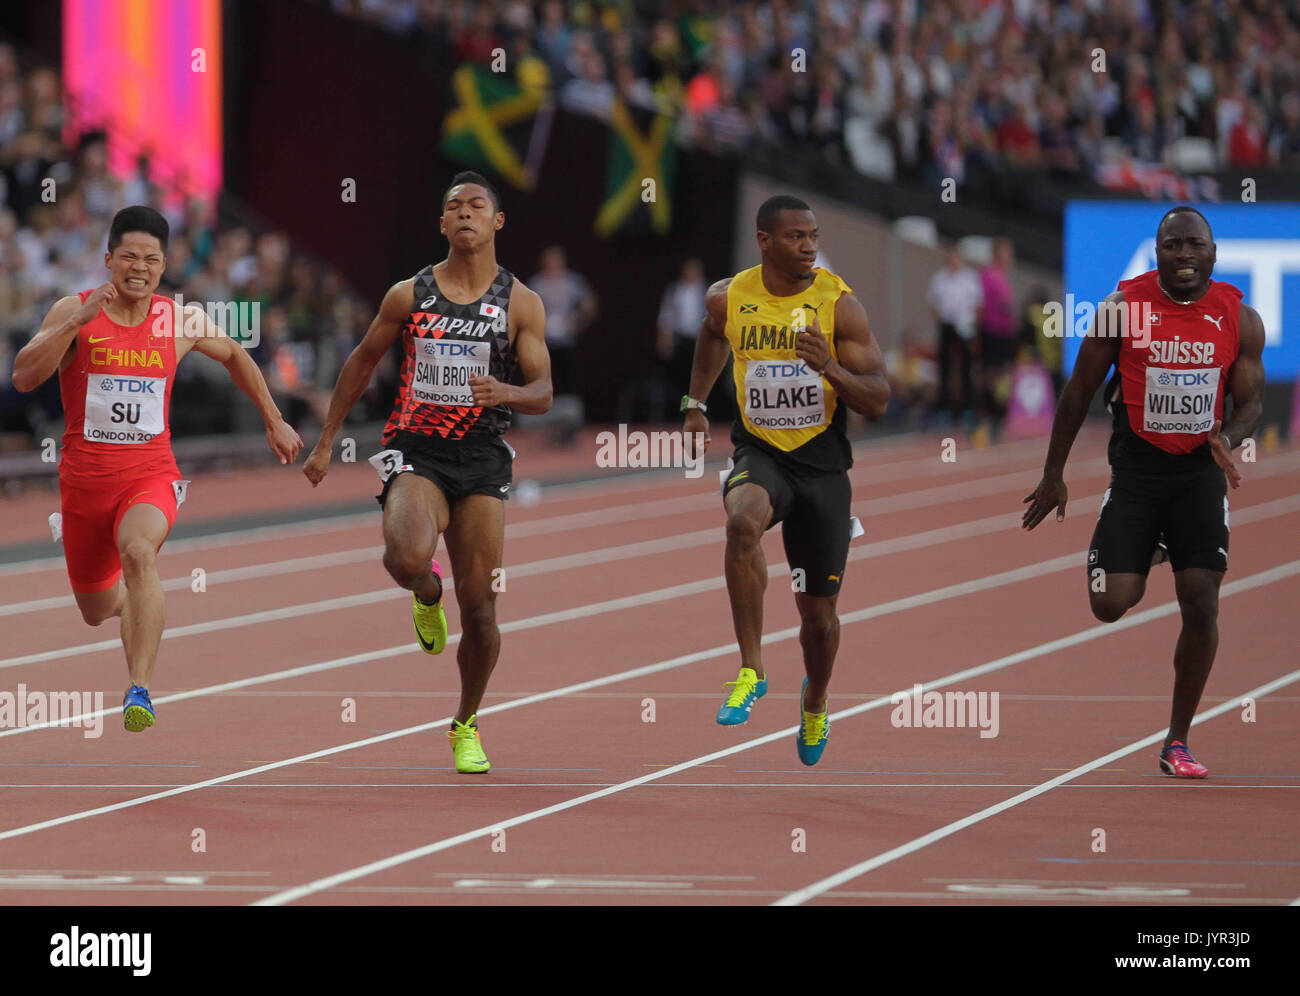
[(57, 336), (355, 376), (535, 395), (214, 343), (1246, 384), (1098, 352), (858, 375)]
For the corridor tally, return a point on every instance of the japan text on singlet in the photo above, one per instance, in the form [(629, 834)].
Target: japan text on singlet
[(116, 397), (445, 344), (1172, 387), (785, 407)]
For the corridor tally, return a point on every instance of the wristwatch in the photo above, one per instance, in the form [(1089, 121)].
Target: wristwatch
[(688, 403)]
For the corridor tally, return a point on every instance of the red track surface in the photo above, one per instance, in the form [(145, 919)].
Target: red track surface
[(625, 576)]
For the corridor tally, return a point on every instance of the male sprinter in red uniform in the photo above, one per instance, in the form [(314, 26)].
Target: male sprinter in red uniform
[(803, 352), (474, 349), (1171, 450), (116, 350)]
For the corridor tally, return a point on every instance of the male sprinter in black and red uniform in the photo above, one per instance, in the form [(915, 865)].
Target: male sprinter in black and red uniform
[(474, 349), (116, 348), (803, 352), (1170, 452)]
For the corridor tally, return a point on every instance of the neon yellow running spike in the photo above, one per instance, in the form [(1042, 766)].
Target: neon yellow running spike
[(747, 689), (430, 626), (470, 759)]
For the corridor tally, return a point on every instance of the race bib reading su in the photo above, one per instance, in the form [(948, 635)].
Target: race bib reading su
[(124, 410)]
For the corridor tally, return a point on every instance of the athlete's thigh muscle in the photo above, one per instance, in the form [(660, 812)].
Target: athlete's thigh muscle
[(476, 540), (415, 514)]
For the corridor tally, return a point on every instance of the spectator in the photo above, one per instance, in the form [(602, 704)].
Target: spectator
[(999, 323), (570, 307), (680, 316), (955, 297), (1248, 144)]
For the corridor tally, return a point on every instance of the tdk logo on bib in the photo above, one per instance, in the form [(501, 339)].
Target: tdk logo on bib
[(449, 348), (1184, 378), (128, 385)]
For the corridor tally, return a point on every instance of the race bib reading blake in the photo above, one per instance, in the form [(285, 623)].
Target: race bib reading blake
[(442, 373), (783, 394), (124, 410)]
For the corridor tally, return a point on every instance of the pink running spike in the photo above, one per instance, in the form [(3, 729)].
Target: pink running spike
[(1176, 760)]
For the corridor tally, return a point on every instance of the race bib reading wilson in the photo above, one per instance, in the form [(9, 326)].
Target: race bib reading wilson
[(443, 368), (1180, 400), (783, 394), (124, 410)]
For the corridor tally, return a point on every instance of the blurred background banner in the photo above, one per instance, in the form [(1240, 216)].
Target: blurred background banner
[(149, 75), (1258, 248)]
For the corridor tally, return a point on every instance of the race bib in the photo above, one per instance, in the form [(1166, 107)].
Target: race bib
[(389, 462), (443, 368), (1180, 400), (783, 394), (124, 410), (180, 489)]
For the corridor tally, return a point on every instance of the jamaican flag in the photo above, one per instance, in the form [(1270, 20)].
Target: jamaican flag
[(496, 125), (641, 149)]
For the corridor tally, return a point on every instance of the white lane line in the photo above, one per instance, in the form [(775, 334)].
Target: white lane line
[(897, 605), (629, 551), (876, 473), (872, 612), (899, 544), (1245, 516), (801, 896), (1245, 584), (820, 786), (640, 511)]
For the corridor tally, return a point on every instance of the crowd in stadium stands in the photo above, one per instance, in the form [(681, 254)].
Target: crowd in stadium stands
[(944, 88), (52, 243)]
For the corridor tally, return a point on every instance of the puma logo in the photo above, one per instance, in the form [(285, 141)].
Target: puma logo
[(1217, 321)]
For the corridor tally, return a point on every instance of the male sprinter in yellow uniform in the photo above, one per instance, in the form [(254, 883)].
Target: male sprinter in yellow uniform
[(803, 351), (473, 350)]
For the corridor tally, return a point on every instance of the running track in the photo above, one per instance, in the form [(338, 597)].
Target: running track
[(614, 598)]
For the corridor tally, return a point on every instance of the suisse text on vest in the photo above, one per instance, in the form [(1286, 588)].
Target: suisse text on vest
[(442, 375), (783, 394)]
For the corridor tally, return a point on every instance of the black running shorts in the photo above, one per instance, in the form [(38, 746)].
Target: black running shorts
[(458, 469), (813, 509), (1188, 506)]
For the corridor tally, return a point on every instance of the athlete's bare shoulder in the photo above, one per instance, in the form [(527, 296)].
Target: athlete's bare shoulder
[(524, 292)]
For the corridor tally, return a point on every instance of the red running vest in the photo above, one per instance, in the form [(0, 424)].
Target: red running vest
[(1174, 385), (116, 397)]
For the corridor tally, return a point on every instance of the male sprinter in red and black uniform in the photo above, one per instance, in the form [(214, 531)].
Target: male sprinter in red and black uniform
[(116, 350), (1171, 450), (474, 347), (803, 352)]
